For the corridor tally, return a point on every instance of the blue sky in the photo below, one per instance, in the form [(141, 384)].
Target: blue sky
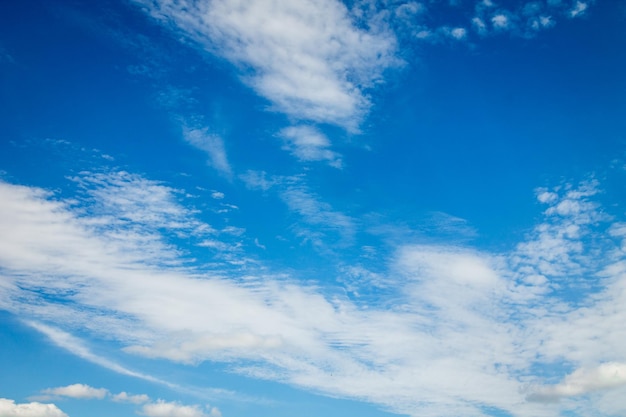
[(303, 208)]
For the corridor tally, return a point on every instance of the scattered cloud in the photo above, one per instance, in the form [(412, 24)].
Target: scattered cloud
[(458, 33), (524, 18), (456, 315), (80, 391), (83, 392), (521, 18), (479, 25), (8, 408), (578, 9)]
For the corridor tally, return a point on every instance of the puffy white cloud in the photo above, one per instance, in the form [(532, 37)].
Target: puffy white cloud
[(8, 408), (500, 21), (583, 381), (458, 33), (80, 391), (124, 397), (172, 409)]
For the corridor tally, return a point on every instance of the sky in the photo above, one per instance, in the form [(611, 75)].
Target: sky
[(278, 208)]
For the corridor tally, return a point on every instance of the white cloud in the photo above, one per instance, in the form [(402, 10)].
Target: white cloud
[(479, 25), (120, 199), (307, 58), (80, 391), (500, 21), (309, 144), (172, 409), (458, 330), (583, 381), (545, 196), (458, 33), (186, 347), (579, 9), (213, 145), (124, 397), (8, 408)]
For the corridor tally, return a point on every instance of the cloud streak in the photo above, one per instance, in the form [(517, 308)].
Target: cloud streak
[(461, 330), (80, 391)]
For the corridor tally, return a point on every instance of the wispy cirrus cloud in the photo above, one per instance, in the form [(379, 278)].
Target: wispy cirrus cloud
[(458, 330), (328, 224), (309, 59), (321, 224), (309, 144)]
